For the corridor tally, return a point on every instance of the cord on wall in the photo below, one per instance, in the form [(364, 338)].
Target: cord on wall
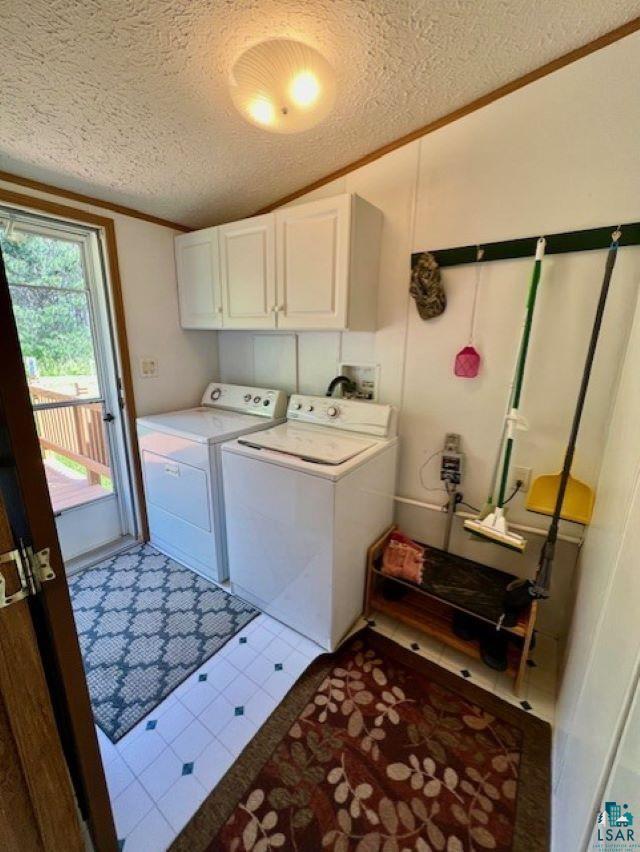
[(412, 232)]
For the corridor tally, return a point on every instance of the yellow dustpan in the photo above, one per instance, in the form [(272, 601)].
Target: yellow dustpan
[(578, 498)]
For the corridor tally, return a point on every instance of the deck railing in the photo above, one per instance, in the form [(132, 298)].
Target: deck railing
[(76, 432)]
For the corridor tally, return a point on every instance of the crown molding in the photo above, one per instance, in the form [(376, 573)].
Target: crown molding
[(88, 199), (519, 83)]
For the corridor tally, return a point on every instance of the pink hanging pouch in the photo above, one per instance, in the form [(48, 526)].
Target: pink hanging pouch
[(467, 363)]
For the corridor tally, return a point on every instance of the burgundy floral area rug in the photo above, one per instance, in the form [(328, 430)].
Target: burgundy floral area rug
[(378, 750)]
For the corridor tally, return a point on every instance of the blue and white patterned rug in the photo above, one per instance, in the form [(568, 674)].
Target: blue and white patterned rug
[(145, 623)]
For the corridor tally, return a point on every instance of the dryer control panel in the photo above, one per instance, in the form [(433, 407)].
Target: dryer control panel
[(265, 402), (370, 418)]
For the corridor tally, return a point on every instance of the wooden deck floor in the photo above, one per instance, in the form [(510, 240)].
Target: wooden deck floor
[(67, 490)]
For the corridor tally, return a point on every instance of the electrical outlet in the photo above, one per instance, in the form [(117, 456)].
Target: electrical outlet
[(148, 368), (523, 474)]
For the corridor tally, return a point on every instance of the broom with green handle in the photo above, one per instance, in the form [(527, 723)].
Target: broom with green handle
[(494, 526)]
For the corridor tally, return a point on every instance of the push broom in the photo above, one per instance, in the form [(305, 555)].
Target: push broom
[(520, 593), (493, 526)]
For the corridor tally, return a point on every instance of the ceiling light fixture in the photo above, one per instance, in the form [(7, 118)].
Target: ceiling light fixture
[(305, 89), (283, 86)]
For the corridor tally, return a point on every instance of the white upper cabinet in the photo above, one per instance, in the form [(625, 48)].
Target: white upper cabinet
[(247, 273), (198, 274), (310, 266), (313, 242), (327, 264)]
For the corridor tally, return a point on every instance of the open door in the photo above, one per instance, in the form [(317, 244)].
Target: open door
[(63, 308), (51, 766)]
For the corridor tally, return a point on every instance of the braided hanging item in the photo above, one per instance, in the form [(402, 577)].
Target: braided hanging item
[(426, 287)]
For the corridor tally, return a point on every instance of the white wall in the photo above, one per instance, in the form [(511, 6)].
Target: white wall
[(603, 649), (625, 771), (547, 158), (188, 360)]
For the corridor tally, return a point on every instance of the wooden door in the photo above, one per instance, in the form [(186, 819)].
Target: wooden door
[(198, 272), (313, 253), (37, 809), (247, 273), (48, 745)]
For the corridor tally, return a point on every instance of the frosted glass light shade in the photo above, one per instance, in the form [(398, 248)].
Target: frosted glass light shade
[(283, 86)]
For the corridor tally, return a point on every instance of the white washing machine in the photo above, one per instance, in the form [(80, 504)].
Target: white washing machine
[(180, 453), (304, 502)]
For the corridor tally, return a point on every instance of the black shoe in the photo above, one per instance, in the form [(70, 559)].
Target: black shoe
[(493, 650), (465, 626), (392, 591), (517, 598)]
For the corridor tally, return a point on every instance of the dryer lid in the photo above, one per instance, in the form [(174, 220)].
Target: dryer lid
[(205, 425)]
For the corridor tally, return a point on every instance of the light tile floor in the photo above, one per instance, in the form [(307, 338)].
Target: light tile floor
[(160, 772), (539, 694)]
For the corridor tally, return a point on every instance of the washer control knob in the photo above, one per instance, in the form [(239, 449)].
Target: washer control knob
[(333, 411), (309, 408), (296, 406), (215, 393), (266, 402), (256, 399), (247, 397)]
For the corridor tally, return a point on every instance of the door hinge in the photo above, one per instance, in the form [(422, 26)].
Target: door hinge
[(32, 570)]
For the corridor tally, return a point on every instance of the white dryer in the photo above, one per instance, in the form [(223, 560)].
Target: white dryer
[(180, 453), (304, 502)]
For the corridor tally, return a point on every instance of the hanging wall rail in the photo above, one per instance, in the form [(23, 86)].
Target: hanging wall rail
[(587, 240)]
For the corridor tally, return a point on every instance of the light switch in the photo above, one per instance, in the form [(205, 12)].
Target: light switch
[(148, 368)]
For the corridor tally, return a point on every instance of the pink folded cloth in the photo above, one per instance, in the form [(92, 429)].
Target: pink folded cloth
[(403, 558)]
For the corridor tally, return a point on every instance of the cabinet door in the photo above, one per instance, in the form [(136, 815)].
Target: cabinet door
[(313, 243), (247, 269), (198, 273)]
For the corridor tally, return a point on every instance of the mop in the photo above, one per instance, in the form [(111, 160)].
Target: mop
[(494, 526), (490, 502), (520, 593), (489, 505)]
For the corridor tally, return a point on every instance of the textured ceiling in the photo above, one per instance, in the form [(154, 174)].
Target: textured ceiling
[(127, 100)]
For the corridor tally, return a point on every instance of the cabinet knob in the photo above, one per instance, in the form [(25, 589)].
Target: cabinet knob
[(279, 308), (219, 309), (274, 309)]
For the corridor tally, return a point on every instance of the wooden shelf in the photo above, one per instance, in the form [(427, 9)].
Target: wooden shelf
[(519, 629), (432, 613), (433, 618)]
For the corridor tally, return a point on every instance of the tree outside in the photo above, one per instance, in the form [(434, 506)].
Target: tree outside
[(53, 324), (51, 306)]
